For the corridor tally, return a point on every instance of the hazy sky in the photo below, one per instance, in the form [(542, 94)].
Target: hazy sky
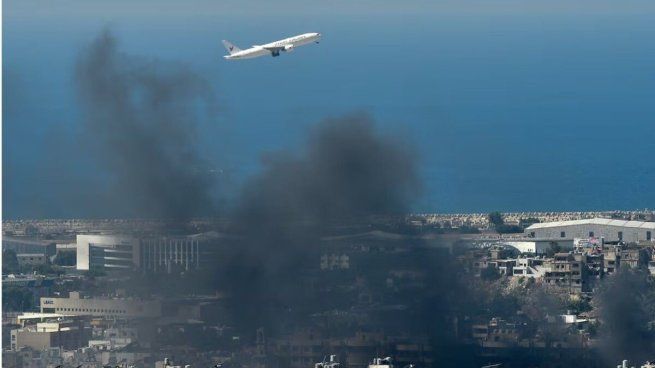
[(512, 105)]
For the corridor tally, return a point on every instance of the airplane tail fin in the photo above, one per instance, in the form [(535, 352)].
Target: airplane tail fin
[(230, 47)]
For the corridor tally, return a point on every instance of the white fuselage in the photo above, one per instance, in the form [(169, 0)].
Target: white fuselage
[(274, 48)]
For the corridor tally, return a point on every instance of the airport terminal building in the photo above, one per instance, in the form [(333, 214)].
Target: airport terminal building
[(608, 229)]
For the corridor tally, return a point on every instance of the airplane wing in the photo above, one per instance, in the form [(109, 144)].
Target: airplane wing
[(275, 50)]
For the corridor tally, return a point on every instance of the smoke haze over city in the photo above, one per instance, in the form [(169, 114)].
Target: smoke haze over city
[(340, 185)]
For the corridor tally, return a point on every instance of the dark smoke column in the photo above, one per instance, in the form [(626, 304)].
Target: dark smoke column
[(140, 119), (347, 171)]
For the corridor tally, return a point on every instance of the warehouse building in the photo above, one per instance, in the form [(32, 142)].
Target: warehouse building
[(608, 229)]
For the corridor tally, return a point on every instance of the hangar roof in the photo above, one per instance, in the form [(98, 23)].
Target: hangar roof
[(595, 221)]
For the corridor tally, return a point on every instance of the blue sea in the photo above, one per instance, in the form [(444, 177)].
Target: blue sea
[(507, 111)]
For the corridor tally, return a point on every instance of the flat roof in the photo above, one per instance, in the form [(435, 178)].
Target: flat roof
[(32, 315), (30, 255), (595, 221)]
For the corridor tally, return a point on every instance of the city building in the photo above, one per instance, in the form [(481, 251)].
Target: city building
[(529, 267), (46, 335), (182, 253), (75, 305), (539, 246), (156, 254), (107, 252), (38, 286), (607, 229), (496, 333), (566, 272), (20, 245), (168, 254), (31, 259), (616, 257)]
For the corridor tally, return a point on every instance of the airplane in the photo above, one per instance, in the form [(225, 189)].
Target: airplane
[(273, 48)]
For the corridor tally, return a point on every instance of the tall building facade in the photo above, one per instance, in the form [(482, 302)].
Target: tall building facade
[(107, 252), (155, 254), (168, 254)]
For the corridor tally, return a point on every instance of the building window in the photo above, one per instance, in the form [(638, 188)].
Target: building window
[(649, 235), (620, 235), (532, 234), (562, 234), (591, 234)]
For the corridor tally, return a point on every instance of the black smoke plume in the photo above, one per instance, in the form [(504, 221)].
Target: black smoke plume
[(140, 119), (347, 171), (626, 305)]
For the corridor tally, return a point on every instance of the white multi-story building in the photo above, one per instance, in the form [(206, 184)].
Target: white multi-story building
[(157, 254), (109, 252)]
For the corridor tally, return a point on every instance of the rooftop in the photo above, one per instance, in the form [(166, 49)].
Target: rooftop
[(30, 255), (595, 221)]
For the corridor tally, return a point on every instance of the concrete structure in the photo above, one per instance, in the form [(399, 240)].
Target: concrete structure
[(112, 308), (566, 273), (181, 253), (160, 254), (169, 254), (614, 258), (39, 286), (31, 259), (497, 333), (45, 335), (107, 252), (539, 246), (607, 229), (529, 267), (20, 245)]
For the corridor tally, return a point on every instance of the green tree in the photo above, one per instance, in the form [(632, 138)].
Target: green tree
[(67, 258), (9, 262), (496, 219), (95, 273), (579, 305), (528, 221), (509, 229), (16, 299), (489, 273), (48, 269), (553, 249)]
